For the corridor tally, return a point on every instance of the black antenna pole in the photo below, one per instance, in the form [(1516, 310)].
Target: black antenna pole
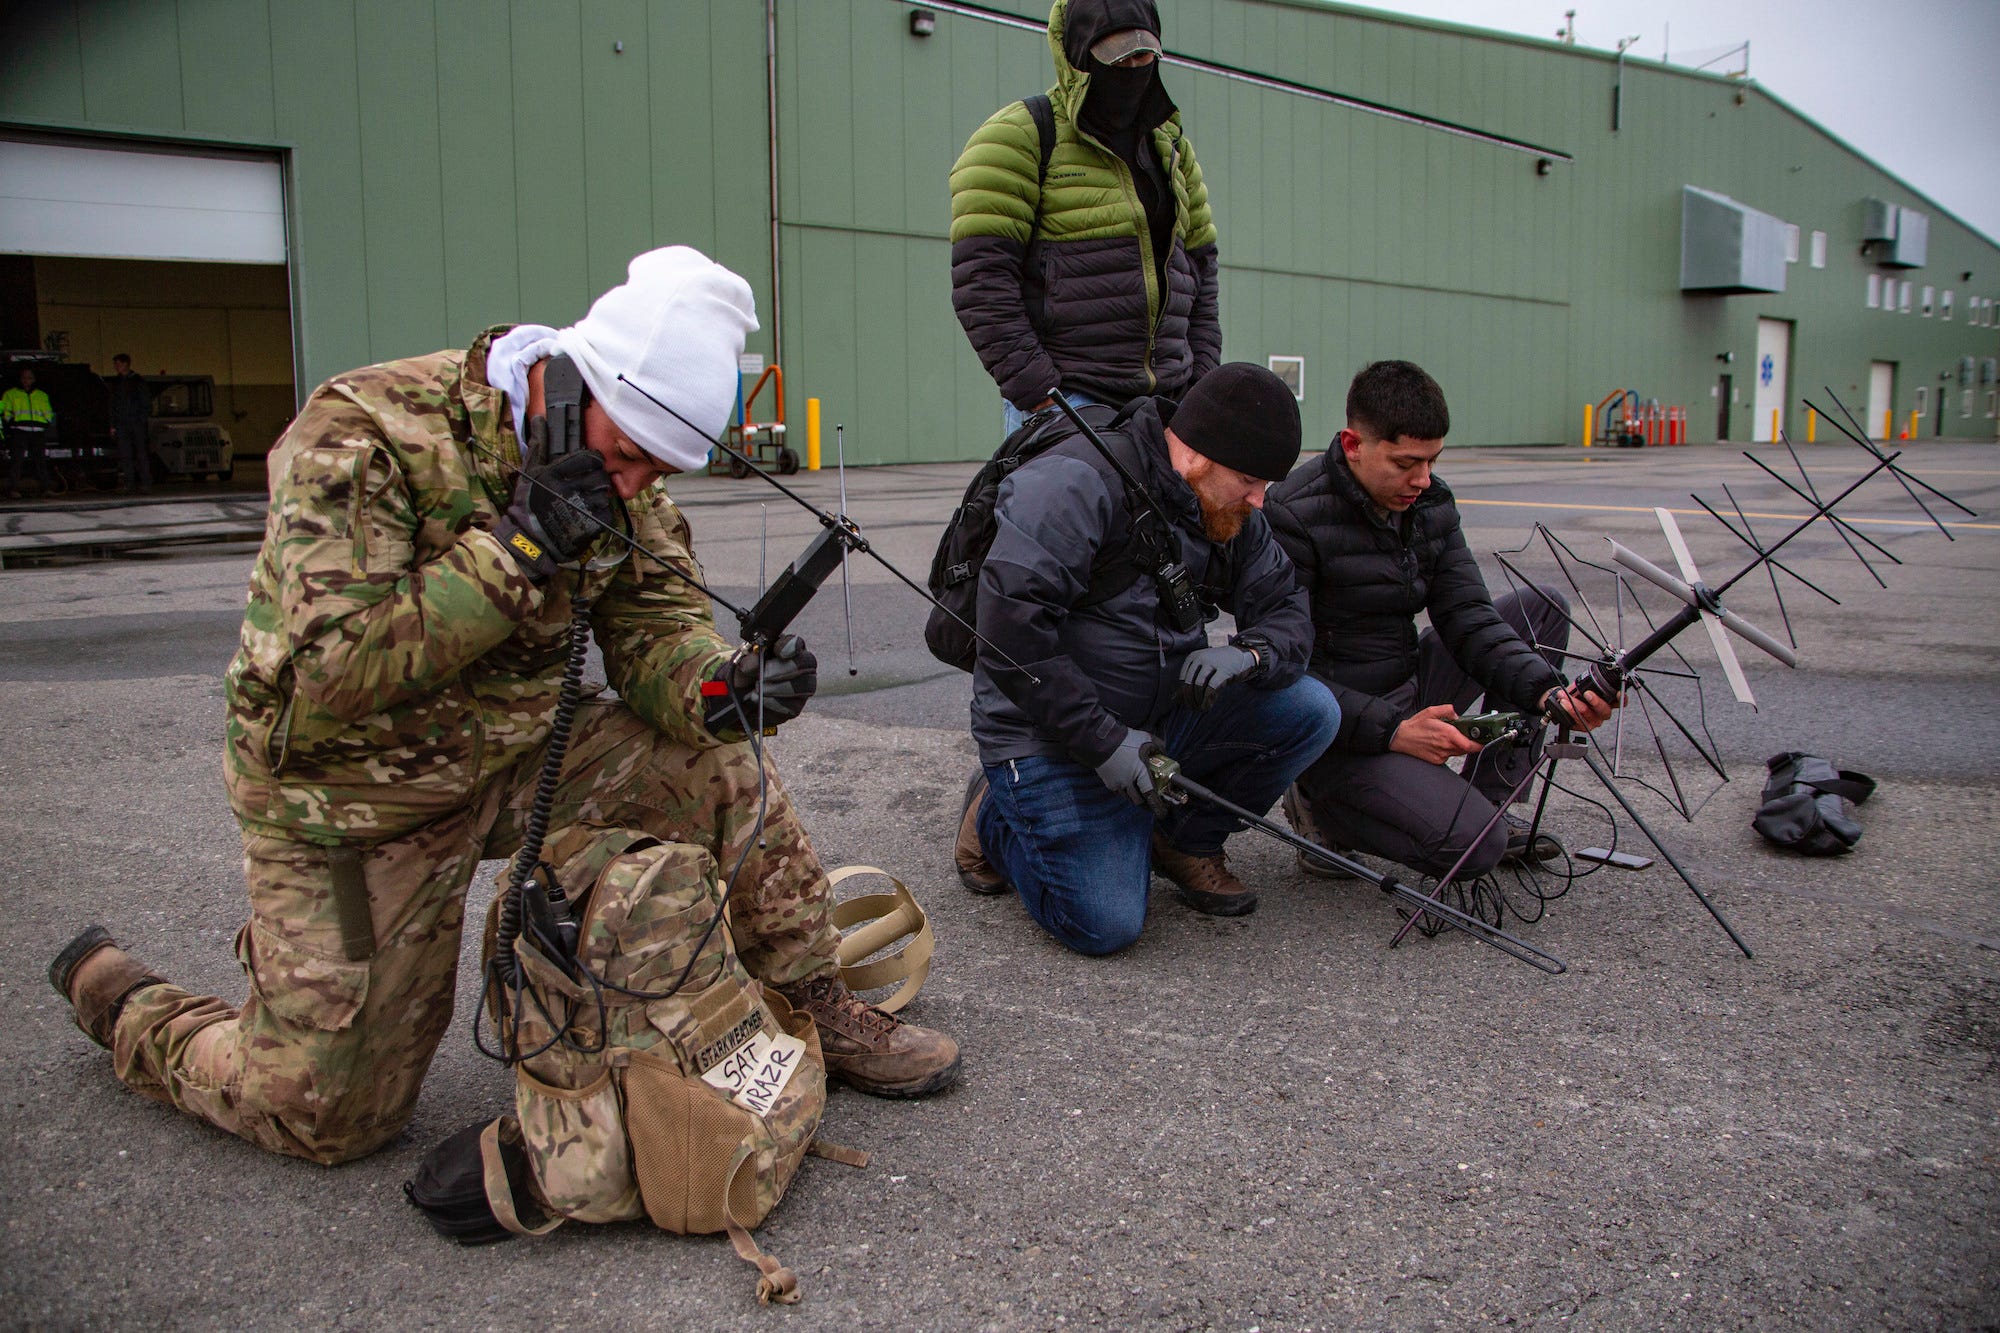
[(841, 528)]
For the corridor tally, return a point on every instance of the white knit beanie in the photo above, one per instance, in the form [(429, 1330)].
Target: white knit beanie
[(673, 328)]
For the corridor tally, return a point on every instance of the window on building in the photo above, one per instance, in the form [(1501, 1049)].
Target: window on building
[(1903, 299), (1993, 402), (1930, 300), (1874, 290), (1923, 398), (1819, 249), (1944, 306), (1791, 243)]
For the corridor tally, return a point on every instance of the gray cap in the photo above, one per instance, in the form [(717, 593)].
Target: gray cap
[(1117, 46)]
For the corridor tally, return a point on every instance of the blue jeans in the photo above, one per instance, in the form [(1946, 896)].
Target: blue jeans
[(1011, 416), (1080, 855)]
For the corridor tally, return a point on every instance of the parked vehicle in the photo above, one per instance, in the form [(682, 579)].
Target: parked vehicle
[(183, 436)]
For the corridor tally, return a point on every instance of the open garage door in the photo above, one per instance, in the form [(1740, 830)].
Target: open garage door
[(175, 258), (140, 203)]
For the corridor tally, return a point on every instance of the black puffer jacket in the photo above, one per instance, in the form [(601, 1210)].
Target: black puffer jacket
[(1368, 579), (1055, 278), (1115, 664)]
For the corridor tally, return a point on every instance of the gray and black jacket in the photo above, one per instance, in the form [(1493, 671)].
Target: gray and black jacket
[(1108, 665), (1055, 279), (1368, 576)]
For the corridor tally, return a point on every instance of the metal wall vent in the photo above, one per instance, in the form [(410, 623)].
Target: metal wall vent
[(1894, 236), (1727, 247)]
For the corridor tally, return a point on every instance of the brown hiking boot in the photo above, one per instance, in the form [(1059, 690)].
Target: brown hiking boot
[(872, 1051), (1299, 814), (1204, 879), (96, 976), (975, 872)]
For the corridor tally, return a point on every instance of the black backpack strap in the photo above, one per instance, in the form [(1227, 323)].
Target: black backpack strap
[(1119, 567), (1044, 114)]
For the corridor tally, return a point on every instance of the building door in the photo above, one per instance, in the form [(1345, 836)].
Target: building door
[(1767, 415), (175, 257), (1881, 399), (1724, 386)]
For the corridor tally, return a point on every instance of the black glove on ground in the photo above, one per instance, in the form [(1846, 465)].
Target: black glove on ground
[(559, 511), (781, 680)]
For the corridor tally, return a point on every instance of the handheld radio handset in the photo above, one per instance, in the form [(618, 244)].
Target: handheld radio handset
[(562, 396), (1177, 592), (549, 916)]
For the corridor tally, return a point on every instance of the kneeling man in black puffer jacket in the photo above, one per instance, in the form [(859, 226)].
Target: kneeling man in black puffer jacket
[(1093, 669), (1375, 537)]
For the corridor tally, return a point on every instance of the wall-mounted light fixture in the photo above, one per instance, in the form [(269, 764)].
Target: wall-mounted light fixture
[(1726, 358), (923, 22), (1542, 166)]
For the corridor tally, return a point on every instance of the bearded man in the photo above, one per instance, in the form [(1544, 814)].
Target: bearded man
[(1088, 670)]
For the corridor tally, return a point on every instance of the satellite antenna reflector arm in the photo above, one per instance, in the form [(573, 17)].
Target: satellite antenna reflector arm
[(1638, 564)]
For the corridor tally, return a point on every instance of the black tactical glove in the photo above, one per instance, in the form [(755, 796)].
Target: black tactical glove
[(559, 510), (1207, 670), (1125, 771), (779, 681)]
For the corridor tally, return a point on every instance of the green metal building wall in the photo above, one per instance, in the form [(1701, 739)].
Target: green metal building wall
[(1345, 236), (455, 163), (450, 164)]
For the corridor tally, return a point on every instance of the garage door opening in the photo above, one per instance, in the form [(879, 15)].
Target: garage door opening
[(174, 258)]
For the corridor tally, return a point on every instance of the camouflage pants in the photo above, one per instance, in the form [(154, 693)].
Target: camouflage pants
[(325, 1057)]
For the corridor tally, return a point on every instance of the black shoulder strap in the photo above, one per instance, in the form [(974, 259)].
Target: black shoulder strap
[(1044, 114)]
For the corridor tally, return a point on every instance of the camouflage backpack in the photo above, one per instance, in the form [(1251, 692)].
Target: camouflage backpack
[(684, 1091)]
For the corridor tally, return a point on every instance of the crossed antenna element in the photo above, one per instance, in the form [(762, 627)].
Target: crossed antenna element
[(1654, 674)]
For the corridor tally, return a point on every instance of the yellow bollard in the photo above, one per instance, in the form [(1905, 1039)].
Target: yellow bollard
[(1888, 422), (1914, 416), (812, 434), (1588, 412), (1812, 423), (1774, 425)]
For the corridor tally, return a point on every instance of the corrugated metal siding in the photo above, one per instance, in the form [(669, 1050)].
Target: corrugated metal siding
[(451, 163), (455, 163)]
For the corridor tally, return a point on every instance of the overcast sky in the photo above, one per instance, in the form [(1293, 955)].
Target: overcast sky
[(1914, 84)]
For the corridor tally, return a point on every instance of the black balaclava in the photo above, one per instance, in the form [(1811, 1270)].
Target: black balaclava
[(1118, 101), (1117, 98), (1121, 107)]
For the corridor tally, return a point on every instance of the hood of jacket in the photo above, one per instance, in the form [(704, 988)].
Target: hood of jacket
[(1077, 25)]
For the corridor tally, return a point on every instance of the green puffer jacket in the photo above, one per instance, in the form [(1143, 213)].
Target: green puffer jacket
[(1055, 279)]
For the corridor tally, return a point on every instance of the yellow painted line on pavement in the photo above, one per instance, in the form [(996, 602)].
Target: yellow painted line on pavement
[(1752, 513)]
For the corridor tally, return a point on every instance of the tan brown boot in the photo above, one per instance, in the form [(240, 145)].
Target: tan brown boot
[(1299, 814), (869, 1050), (96, 976), (975, 872), (1205, 881)]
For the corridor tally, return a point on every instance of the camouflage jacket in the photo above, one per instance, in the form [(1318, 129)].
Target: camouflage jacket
[(394, 657)]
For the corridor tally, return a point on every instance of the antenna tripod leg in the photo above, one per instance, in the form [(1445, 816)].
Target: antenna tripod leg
[(1610, 785)]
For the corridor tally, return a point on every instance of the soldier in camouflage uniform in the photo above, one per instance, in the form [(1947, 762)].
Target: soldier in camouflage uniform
[(390, 706)]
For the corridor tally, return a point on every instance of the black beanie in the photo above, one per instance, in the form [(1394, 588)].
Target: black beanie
[(1241, 416)]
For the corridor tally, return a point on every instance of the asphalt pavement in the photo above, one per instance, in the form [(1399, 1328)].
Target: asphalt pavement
[(1273, 1122)]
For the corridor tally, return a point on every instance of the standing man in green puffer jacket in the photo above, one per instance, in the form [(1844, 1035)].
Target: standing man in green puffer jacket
[(1091, 267)]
